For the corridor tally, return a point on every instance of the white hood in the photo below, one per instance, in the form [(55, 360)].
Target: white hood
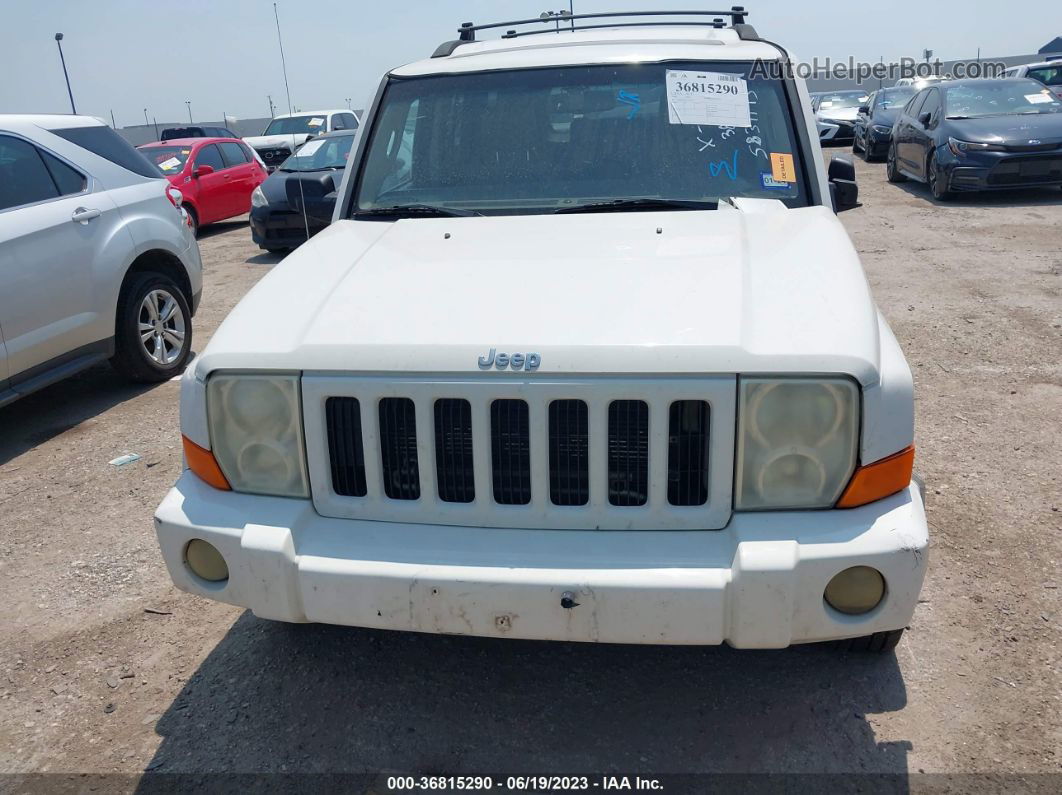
[(290, 140), (758, 289)]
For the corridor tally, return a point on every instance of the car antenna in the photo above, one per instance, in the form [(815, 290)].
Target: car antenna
[(284, 68)]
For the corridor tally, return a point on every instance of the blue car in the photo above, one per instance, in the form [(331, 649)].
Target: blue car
[(974, 135)]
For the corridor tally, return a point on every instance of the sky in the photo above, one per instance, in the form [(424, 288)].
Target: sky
[(222, 55)]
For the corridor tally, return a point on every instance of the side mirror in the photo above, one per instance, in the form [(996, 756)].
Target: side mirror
[(843, 188), (328, 183), (864, 109), (202, 171), (924, 117)]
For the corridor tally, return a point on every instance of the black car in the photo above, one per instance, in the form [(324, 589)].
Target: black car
[(296, 200), (979, 135), (171, 133), (872, 130)]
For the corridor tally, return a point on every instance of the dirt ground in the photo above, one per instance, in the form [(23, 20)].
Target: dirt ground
[(106, 668)]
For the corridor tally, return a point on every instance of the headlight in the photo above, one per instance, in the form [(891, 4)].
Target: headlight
[(256, 433), (258, 198), (796, 444), (961, 148)]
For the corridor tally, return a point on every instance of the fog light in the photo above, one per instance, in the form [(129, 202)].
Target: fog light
[(205, 561), (856, 590)]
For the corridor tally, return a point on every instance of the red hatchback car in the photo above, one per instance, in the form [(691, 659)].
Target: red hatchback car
[(216, 175)]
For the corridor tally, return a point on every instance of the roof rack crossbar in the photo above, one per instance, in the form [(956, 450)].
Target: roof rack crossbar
[(512, 34), (467, 31)]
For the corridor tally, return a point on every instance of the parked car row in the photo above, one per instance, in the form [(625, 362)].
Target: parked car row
[(955, 135)]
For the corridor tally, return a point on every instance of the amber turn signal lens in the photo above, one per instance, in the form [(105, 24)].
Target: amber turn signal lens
[(201, 462), (880, 479)]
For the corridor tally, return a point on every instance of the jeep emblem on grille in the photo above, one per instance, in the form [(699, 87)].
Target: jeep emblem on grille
[(515, 361)]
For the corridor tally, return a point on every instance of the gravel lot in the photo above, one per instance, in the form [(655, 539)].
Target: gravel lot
[(105, 667)]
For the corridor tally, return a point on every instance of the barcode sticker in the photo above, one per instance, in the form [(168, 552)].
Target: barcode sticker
[(711, 98)]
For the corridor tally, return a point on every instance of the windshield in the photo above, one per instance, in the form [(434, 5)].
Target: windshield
[(297, 124), (169, 159), (547, 139), (894, 97), (1048, 75), (990, 98), (844, 99), (320, 154)]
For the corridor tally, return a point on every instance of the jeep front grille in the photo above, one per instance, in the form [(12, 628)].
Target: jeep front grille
[(687, 453), (628, 452), (345, 446), (578, 454), (453, 450), (569, 453), (398, 449), (510, 445)]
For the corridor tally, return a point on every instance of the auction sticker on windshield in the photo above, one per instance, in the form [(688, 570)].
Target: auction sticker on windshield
[(169, 165), (310, 148), (709, 98)]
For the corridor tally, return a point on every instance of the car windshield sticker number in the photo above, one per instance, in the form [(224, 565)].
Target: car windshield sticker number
[(1036, 99), (169, 165), (768, 181), (708, 98), (315, 122), (310, 148), (782, 168)]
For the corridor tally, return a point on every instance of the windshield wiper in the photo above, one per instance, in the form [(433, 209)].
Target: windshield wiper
[(622, 205), (410, 210)]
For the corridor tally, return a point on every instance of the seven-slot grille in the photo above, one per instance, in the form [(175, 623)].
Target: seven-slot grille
[(569, 452)]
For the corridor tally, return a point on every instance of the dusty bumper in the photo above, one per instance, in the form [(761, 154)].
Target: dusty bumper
[(756, 584)]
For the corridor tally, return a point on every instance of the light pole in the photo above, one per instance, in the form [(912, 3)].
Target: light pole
[(272, 107), (147, 121), (62, 60), (188, 103), (348, 103)]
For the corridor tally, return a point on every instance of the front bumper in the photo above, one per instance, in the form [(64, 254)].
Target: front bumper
[(877, 143), (758, 583), (1001, 170), (836, 131), (274, 226)]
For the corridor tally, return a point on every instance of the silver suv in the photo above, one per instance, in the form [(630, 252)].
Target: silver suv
[(97, 259)]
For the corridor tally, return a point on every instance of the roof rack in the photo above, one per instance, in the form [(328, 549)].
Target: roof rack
[(559, 23)]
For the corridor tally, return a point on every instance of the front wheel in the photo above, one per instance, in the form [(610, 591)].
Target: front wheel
[(938, 183), (892, 173), (153, 334)]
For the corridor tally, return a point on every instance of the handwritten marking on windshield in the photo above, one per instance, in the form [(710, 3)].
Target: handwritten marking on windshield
[(715, 169), (633, 100)]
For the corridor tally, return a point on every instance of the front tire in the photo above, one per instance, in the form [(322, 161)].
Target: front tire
[(153, 333), (878, 643), (938, 186), (892, 173)]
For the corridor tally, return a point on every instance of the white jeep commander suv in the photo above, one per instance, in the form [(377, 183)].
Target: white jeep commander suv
[(584, 355)]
